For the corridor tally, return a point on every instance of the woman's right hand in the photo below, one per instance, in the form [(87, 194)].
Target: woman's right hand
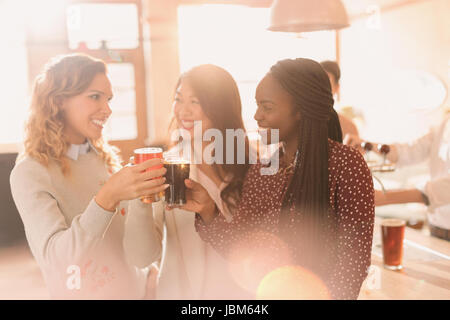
[(132, 182)]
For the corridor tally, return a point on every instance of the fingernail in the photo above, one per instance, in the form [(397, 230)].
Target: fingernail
[(166, 186)]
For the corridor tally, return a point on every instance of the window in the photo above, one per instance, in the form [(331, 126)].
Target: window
[(113, 33), (122, 124), (14, 75), (92, 23), (235, 38)]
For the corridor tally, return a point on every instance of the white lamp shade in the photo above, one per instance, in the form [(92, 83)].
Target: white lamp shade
[(307, 15)]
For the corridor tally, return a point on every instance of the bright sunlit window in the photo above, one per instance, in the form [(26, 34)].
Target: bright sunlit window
[(122, 123), (92, 23), (116, 26), (235, 38), (13, 75)]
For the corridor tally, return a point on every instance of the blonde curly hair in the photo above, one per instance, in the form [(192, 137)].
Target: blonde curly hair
[(63, 77)]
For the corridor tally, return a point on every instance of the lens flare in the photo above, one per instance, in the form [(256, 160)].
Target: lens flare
[(292, 283), (255, 256)]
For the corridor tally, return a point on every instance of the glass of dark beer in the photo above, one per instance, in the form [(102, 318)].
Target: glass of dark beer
[(392, 234), (177, 172)]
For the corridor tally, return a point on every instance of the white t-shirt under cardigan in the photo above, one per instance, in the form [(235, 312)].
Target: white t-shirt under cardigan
[(77, 244)]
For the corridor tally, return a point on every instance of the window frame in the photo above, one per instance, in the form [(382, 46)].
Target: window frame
[(136, 58)]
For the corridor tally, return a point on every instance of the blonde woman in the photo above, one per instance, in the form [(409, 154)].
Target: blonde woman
[(71, 191)]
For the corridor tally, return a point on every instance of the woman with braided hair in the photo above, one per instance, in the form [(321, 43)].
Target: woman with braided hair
[(317, 211)]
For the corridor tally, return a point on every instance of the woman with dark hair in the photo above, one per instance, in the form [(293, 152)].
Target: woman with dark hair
[(189, 267), (317, 211), (209, 94)]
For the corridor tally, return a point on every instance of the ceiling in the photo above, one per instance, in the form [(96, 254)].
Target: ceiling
[(359, 7), (354, 7)]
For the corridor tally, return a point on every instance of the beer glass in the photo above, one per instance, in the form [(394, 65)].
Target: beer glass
[(144, 154), (392, 234), (177, 171)]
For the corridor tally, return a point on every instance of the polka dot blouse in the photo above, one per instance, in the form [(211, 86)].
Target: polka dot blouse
[(255, 227)]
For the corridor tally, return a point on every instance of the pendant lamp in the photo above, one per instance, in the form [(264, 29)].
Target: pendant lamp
[(307, 15)]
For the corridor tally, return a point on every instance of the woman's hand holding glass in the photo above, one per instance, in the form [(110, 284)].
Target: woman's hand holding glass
[(198, 200), (132, 182)]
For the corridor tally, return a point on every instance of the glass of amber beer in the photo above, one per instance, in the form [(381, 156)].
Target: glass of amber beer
[(144, 154), (177, 171), (392, 234)]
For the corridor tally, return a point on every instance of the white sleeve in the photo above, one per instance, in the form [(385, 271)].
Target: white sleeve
[(438, 192), (52, 241), (143, 233), (412, 153)]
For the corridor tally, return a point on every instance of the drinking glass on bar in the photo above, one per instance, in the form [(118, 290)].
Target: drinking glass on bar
[(392, 235), (177, 171), (144, 154)]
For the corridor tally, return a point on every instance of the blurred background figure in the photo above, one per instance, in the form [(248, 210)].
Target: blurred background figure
[(334, 74), (433, 147)]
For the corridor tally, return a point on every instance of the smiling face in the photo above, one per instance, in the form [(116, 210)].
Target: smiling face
[(275, 109), (187, 109), (85, 114)]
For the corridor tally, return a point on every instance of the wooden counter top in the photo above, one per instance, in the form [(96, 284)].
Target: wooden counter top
[(425, 273)]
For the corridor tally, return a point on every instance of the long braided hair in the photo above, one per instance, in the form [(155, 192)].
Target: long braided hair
[(307, 195)]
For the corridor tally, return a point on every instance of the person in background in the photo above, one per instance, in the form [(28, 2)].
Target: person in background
[(70, 189), (190, 268), (316, 212), (433, 147), (334, 74)]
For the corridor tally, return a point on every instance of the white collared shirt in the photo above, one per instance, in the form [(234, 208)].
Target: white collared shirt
[(435, 147), (74, 150)]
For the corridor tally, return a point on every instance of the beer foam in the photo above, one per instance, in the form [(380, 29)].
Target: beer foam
[(393, 223), (148, 150), (175, 161)]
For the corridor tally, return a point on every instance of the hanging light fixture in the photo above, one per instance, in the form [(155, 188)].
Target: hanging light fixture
[(307, 15)]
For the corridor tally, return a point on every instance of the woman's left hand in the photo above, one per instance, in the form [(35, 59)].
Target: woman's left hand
[(198, 200)]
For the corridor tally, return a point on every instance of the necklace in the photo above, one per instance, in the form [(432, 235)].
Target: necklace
[(290, 168)]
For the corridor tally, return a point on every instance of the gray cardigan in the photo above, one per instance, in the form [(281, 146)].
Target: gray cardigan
[(82, 249)]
